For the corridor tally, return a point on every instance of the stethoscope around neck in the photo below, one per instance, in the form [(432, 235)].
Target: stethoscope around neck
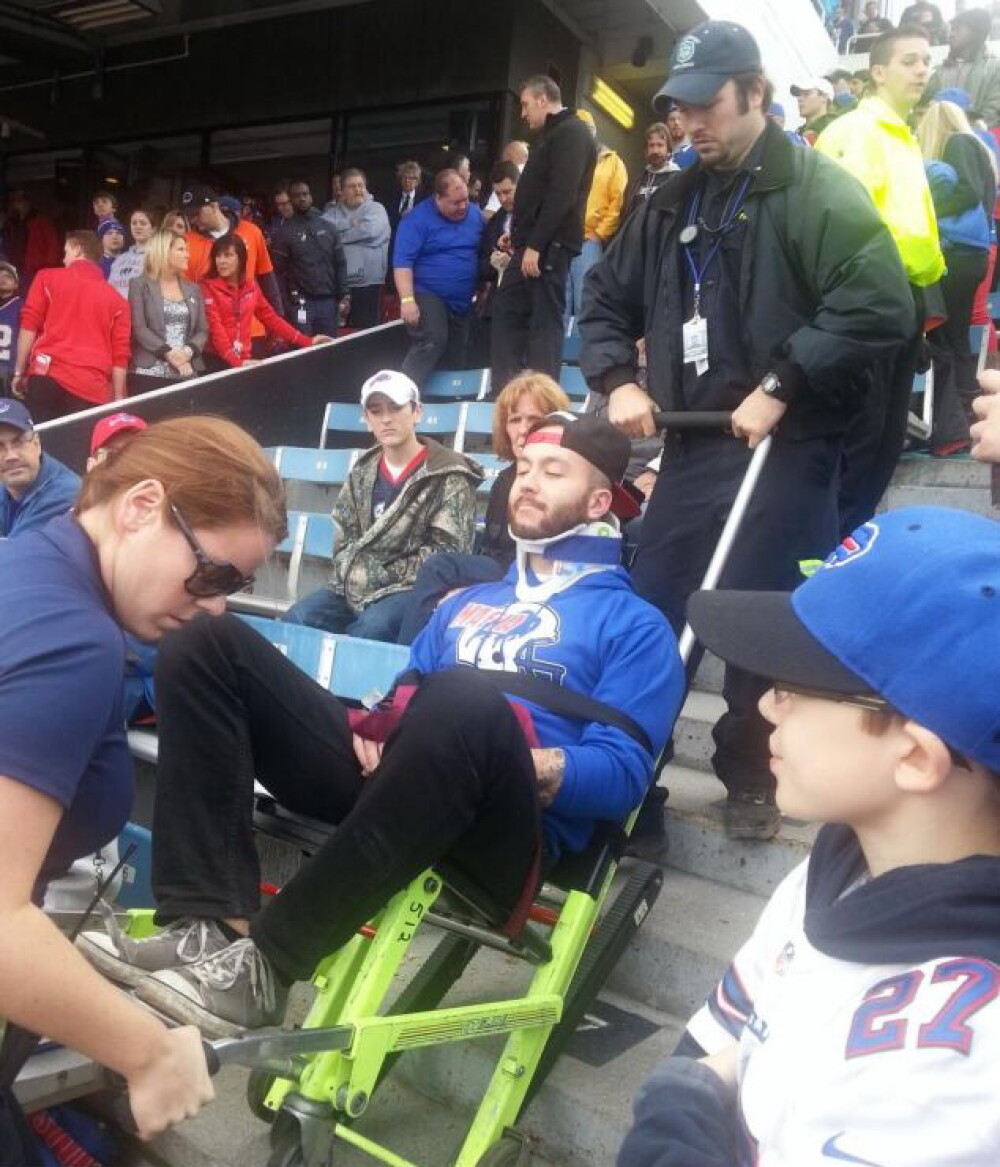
[(695, 225)]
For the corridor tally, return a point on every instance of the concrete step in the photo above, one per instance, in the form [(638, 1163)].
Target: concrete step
[(923, 470), (693, 745), (692, 932), (976, 499), (710, 674), (697, 843)]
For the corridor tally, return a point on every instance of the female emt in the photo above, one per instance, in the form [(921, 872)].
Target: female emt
[(163, 530)]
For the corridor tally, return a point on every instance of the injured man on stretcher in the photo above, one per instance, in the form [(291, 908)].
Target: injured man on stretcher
[(534, 708)]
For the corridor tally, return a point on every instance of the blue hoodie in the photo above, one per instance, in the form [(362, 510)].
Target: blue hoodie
[(596, 636), (53, 492)]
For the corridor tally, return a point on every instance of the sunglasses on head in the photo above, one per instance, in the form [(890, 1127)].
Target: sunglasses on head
[(870, 701), (211, 577)]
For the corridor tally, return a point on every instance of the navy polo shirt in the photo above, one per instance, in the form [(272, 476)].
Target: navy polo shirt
[(62, 663), (443, 254)]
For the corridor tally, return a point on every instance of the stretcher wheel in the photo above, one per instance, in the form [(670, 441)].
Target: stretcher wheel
[(258, 1087), (286, 1147)]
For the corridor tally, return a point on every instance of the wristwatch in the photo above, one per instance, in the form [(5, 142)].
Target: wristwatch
[(770, 384)]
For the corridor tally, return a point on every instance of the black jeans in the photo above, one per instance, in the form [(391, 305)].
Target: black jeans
[(364, 306), (876, 434), (439, 338), (792, 517), (456, 779), (527, 329), (954, 364), (48, 400)]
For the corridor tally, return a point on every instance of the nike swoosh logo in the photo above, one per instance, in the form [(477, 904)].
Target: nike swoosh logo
[(832, 1151)]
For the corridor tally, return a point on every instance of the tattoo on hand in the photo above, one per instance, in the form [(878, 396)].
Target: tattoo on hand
[(550, 767)]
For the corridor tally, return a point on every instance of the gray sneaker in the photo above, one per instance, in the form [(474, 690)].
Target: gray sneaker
[(127, 961), (233, 990)]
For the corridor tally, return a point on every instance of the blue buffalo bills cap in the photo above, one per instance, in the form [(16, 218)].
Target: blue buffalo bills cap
[(704, 59), (908, 608), (13, 412)]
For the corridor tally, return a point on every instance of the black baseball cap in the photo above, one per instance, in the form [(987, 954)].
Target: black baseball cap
[(601, 444), (704, 59), (199, 196)]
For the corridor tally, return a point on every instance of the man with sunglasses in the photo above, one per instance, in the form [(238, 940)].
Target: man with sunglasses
[(34, 487), (860, 1023)]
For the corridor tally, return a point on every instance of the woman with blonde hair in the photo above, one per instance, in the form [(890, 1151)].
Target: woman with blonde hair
[(524, 400), (963, 181), (169, 325), (163, 529)]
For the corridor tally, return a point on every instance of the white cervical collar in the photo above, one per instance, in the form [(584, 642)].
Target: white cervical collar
[(558, 548)]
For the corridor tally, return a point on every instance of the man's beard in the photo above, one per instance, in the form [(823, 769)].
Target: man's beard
[(547, 523)]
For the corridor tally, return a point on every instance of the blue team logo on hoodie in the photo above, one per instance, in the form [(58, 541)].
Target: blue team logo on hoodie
[(854, 546)]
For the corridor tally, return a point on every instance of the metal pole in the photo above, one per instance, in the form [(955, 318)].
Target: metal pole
[(728, 536)]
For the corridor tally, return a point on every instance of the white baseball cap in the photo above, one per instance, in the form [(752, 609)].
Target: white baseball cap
[(395, 385), (820, 84)]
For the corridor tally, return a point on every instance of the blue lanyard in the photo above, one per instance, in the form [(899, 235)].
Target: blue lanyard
[(728, 219)]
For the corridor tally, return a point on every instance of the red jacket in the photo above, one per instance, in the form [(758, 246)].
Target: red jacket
[(231, 311), (84, 329)]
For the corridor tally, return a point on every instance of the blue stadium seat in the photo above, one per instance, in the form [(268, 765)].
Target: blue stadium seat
[(340, 417), (313, 477), (441, 420), (456, 385), (573, 384), (353, 669), (477, 425), (993, 305), (492, 465), (571, 347), (324, 467)]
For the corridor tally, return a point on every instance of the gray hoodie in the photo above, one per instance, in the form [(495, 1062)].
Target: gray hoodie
[(364, 234)]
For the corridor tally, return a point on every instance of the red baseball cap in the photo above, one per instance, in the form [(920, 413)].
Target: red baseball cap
[(112, 425)]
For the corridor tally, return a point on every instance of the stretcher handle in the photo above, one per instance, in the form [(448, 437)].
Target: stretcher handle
[(716, 419)]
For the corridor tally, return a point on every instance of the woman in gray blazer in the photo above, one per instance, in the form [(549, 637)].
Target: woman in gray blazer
[(169, 326)]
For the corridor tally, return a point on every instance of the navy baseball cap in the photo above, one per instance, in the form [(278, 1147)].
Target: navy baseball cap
[(704, 59), (907, 608), (15, 413), (199, 196), (107, 225)]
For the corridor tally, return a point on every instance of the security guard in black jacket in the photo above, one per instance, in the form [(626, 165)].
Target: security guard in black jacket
[(548, 231), (309, 259), (764, 282)]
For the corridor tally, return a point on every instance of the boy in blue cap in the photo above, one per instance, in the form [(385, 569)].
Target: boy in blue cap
[(861, 1021)]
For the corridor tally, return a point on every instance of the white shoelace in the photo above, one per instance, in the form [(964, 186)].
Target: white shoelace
[(222, 971)]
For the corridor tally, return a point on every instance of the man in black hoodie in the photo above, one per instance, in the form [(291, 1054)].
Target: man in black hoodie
[(548, 231), (860, 1023)]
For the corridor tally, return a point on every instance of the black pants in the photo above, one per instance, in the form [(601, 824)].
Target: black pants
[(792, 517), (456, 779), (18, 1146), (954, 365), (364, 306), (439, 338), (137, 383), (438, 575), (47, 399), (876, 434), (527, 328)]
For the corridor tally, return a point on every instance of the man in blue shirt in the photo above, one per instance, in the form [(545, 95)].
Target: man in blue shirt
[(34, 487), (435, 264)]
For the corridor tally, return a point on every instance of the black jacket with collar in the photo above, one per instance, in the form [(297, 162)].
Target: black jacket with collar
[(308, 256), (824, 300), (551, 195)]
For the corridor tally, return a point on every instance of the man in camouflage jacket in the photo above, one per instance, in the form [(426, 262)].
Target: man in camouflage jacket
[(404, 500)]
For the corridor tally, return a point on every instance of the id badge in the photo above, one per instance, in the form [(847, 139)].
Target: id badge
[(695, 336)]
